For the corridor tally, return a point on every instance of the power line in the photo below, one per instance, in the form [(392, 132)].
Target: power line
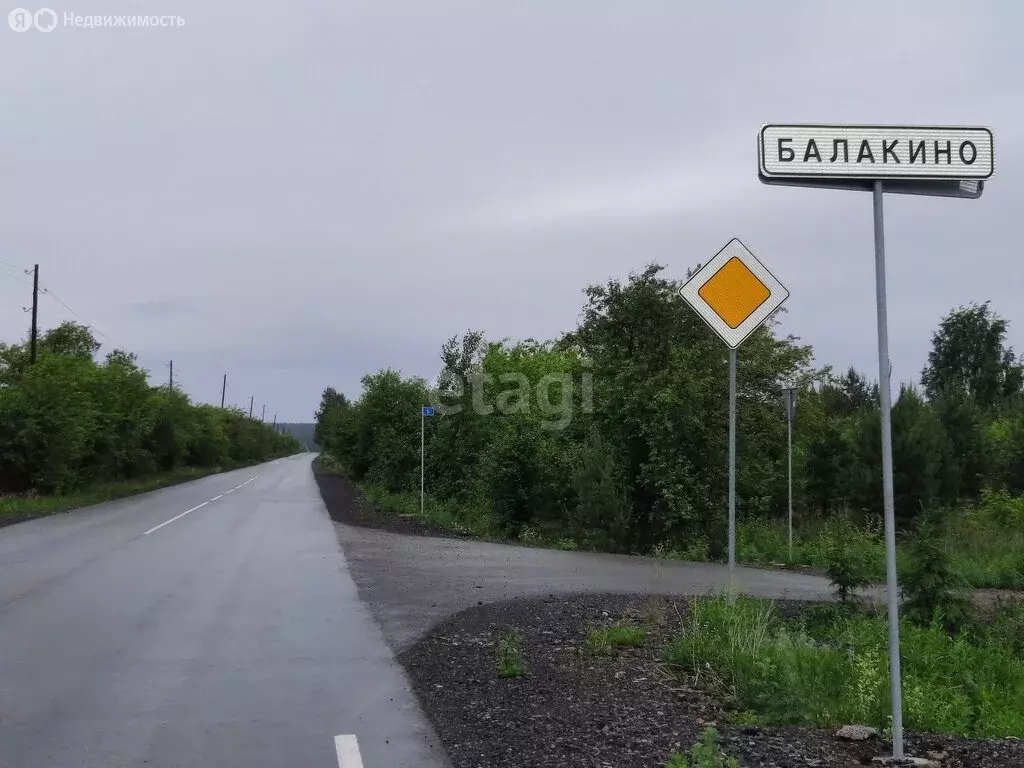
[(64, 304), (14, 276)]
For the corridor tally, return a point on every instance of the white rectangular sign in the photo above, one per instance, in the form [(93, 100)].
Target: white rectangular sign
[(875, 152)]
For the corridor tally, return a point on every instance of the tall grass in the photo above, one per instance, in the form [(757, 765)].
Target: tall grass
[(465, 519), (986, 539), (608, 640), (836, 672)]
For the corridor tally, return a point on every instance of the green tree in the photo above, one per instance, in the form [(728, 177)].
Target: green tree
[(601, 515), (70, 421), (458, 438), (969, 355), (964, 424), (661, 381), (930, 587)]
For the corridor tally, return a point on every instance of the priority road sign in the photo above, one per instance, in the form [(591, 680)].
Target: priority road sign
[(734, 293)]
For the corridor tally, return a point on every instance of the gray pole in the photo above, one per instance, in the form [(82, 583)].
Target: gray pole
[(887, 492), (732, 469), (423, 421), (789, 452), (223, 390)]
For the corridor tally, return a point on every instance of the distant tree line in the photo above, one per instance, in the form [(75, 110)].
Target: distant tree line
[(304, 433), (642, 460), (69, 420)]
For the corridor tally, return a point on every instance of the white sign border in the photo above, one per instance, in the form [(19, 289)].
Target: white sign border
[(763, 171), (733, 337)]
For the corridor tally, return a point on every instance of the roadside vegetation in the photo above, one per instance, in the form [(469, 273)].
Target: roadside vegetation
[(831, 668), (704, 754), (76, 430), (511, 654), (613, 438), (608, 640)]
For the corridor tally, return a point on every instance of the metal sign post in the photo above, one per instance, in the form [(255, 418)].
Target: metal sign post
[(425, 411), (732, 470), (789, 400), (925, 160), (734, 294)]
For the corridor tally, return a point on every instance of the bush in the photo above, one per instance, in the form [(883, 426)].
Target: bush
[(696, 549), (514, 475), (931, 590), (602, 513), (511, 656), (704, 754), (848, 567), (1002, 507)]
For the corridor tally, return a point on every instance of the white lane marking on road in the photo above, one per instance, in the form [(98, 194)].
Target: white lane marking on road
[(199, 506), (176, 517), (348, 751)]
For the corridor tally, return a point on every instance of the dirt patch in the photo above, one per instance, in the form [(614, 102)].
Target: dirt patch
[(573, 708)]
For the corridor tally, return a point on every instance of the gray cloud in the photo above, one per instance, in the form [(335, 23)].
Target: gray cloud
[(298, 193)]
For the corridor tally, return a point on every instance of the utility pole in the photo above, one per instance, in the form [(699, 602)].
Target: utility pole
[(250, 405), (275, 422), (223, 391), (35, 311), (264, 414), (172, 376)]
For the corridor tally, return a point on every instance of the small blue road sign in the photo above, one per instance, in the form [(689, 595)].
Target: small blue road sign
[(428, 411)]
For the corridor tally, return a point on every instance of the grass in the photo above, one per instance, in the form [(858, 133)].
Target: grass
[(704, 754), (986, 540), (466, 519), (16, 509), (608, 640), (462, 519), (765, 542), (833, 669), (511, 655)]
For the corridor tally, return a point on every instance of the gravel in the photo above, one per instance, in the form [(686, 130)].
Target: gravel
[(626, 710)]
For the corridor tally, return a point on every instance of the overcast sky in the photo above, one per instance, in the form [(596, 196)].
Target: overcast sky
[(298, 193)]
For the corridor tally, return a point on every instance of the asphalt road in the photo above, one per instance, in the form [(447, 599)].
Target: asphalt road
[(133, 634), (413, 582)]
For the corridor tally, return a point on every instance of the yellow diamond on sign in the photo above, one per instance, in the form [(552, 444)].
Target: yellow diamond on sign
[(734, 292)]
